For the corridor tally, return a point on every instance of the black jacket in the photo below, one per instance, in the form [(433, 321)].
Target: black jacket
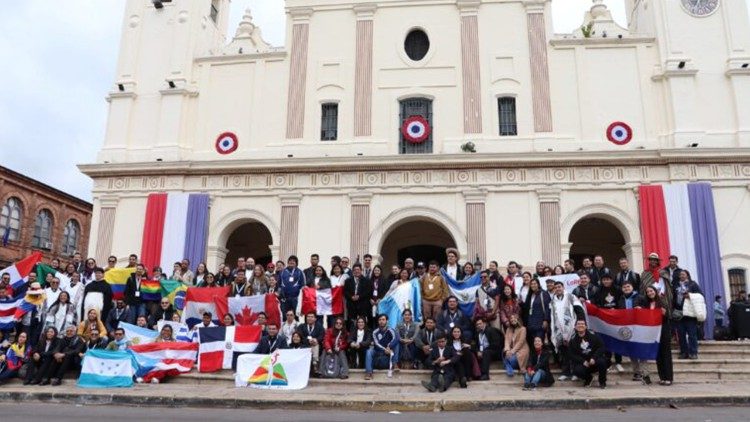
[(423, 337), (91, 344), (445, 319), (71, 346), (598, 273), (268, 345), (131, 286), (448, 353), (607, 298), (159, 315), (112, 321), (675, 276), (594, 348), (54, 344), (363, 289), (366, 339), (633, 277), (317, 332), (494, 338), (588, 293), (459, 271), (540, 362), (102, 287)]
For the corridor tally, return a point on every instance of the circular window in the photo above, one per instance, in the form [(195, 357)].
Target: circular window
[(416, 44)]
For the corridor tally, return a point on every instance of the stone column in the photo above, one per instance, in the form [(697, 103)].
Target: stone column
[(549, 212), (215, 256), (476, 230), (360, 224), (106, 228), (295, 106), (289, 224), (540, 94), (470, 65), (363, 70)]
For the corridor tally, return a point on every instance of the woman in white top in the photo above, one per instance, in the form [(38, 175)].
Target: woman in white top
[(200, 274), (524, 290), (61, 313), (289, 326), (337, 276), (403, 278)]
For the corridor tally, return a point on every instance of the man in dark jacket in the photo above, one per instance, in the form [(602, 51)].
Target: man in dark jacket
[(585, 290), (313, 333), (627, 274), (488, 346), (291, 281), (442, 359), (272, 342), (425, 339), (358, 292), (133, 291), (608, 297), (164, 312), (599, 271), (587, 355), (673, 269), (310, 271), (121, 313), (66, 356), (453, 317)]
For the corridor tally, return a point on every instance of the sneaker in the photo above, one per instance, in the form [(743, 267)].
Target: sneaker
[(154, 380), (619, 368), (637, 377), (390, 374), (562, 378), (431, 388), (526, 387), (682, 356), (603, 385), (574, 378), (647, 380), (139, 380), (693, 357), (368, 376), (533, 387)]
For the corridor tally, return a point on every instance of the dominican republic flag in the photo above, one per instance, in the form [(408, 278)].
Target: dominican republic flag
[(159, 360), (322, 302), (245, 309), (220, 346), (205, 299), (405, 296), (466, 291), (628, 332), (176, 227), (138, 335), (680, 219), (106, 368), (8, 309), (19, 272)]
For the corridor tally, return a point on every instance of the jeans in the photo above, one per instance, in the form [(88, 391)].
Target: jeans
[(533, 379), (140, 310), (687, 329), (511, 364), (377, 359), (289, 304)]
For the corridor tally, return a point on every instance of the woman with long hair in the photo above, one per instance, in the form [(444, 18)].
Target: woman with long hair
[(61, 314), (516, 350), (14, 358), (509, 306), (200, 274), (225, 277), (664, 365), (536, 313), (465, 365), (87, 275), (334, 363), (259, 281), (360, 339), (524, 290), (407, 330)]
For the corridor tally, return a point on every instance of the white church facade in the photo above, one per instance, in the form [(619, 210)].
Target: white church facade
[(356, 137)]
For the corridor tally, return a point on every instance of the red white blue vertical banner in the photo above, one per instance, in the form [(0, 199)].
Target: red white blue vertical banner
[(680, 220)]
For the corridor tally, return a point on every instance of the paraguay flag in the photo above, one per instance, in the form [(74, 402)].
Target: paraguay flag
[(205, 299), (628, 332), (465, 291), (159, 360), (405, 296), (117, 278), (19, 272), (323, 301), (220, 346)]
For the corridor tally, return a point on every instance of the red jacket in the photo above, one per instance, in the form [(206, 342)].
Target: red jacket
[(330, 338)]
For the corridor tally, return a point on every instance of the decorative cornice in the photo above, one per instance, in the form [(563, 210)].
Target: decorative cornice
[(360, 198), (475, 196), (601, 42), (108, 201), (468, 7), (300, 14), (365, 11), (548, 195), (290, 199)]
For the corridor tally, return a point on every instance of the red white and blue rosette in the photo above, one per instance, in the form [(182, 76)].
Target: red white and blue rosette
[(416, 129), (619, 133), (226, 143)]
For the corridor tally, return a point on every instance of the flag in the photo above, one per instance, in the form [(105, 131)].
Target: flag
[(138, 335), (106, 368), (323, 301), (19, 272), (117, 278), (150, 290), (8, 307), (287, 369), (180, 331), (405, 296), (628, 332), (175, 290), (41, 275), (204, 299), (219, 345), (465, 291), (245, 309), (158, 360), (27, 304)]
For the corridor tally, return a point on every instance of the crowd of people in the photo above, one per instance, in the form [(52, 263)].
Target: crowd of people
[(525, 326)]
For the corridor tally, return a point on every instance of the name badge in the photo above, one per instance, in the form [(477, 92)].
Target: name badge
[(237, 295), (137, 293), (374, 292), (430, 286), (291, 278), (452, 325)]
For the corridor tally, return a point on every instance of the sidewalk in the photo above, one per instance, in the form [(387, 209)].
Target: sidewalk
[(477, 397)]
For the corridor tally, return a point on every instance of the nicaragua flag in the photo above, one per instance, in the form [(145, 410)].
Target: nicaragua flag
[(19, 272), (220, 346), (465, 291), (159, 360), (405, 296), (138, 335), (322, 302), (205, 299), (106, 368), (629, 332), (8, 309)]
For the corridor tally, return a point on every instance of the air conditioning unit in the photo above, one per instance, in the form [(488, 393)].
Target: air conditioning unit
[(47, 245)]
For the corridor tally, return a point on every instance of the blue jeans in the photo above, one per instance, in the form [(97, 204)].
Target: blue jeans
[(687, 330), (377, 359), (511, 364), (140, 310), (533, 380)]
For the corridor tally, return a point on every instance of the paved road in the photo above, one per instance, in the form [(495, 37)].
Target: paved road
[(12, 412)]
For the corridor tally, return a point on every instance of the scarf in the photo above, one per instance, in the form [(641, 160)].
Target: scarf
[(19, 350)]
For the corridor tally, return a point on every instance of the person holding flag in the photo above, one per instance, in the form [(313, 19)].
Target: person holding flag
[(434, 291), (14, 358)]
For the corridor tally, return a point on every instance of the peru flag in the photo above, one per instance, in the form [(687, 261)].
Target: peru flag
[(323, 301), (245, 309), (19, 272), (199, 300), (220, 346), (628, 332)]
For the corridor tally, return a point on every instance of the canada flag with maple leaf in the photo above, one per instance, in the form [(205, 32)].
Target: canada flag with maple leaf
[(245, 309)]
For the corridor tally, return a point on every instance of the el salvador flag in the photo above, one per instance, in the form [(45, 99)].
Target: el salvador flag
[(465, 291), (405, 296), (106, 369)]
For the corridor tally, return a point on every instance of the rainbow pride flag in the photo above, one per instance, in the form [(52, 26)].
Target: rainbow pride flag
[(151, 290), (117, 279)]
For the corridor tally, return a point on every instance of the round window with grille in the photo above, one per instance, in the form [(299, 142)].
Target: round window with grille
[(416, 44)]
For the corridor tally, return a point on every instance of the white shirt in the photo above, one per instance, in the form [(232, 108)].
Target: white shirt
[(452, 270), (287, 329), (360, 336)]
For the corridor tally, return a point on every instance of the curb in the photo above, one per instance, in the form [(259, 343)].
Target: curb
[(370, 405)]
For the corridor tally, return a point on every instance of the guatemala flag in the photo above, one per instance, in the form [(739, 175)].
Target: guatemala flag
[(465, 291), (405, 296), (629, 332), (106, 368)]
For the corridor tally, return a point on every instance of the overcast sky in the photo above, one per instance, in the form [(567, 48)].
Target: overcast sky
[(58, 63)]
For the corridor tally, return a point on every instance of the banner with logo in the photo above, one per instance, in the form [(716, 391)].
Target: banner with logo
[(286, 369)]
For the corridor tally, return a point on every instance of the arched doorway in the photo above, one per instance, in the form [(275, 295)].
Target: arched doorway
[(251, 239), (596, 236), (421, 240)]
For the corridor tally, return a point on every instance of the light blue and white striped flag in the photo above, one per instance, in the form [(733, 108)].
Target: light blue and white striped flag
[(405, 296), (465, 291), (107, 369)]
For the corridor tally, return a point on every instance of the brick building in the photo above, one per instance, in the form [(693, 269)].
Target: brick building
[(40, 218)]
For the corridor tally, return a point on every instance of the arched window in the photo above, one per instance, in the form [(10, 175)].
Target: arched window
[(43, 230), (10, 219), (70, 237)]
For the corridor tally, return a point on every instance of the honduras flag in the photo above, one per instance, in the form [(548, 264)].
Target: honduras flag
[(465, 291), (405, 296), (106, 369)]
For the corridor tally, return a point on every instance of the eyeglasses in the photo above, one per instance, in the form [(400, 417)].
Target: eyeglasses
[(165, 303)]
